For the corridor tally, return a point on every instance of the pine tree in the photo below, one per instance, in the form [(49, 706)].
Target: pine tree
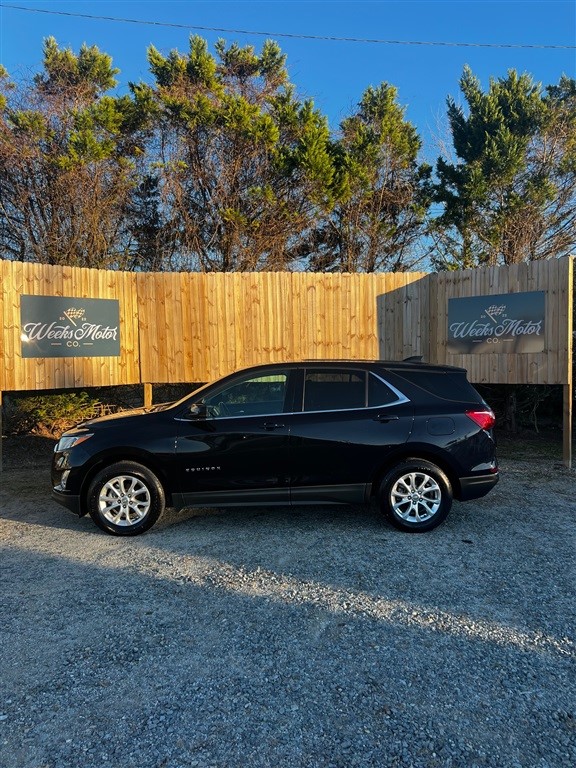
[(380, 193), (511, 194), (242, 159), (68, 158)]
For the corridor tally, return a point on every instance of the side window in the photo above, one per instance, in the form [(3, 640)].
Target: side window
[(332, 390), (251, 396), (379, 393), (449, 385)]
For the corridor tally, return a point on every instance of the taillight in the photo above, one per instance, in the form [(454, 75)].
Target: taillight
[(485, 419)]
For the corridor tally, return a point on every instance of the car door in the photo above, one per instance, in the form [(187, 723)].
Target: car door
[(233, 445), (349, 421)]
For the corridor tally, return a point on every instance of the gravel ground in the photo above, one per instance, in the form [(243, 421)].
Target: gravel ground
[(316, 637)]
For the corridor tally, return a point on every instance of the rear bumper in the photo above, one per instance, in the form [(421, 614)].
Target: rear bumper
[(477, 486)]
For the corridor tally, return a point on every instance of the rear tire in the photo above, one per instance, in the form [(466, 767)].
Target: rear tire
[(125, 499), (416, 496)]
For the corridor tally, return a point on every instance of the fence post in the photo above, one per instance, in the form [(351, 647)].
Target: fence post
[(567, 426), (569, 385), (147, 395)]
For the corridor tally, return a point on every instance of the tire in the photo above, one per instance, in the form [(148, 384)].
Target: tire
[(416, 496), (125, 499)]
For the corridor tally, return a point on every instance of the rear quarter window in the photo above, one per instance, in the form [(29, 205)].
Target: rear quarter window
[(449, 385), (379, 393)]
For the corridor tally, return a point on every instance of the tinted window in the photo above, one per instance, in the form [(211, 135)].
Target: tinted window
[(450, 385), (334, 390), (379, 393), (250, 396)]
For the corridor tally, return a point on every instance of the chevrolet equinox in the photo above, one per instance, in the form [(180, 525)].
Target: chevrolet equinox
[(409, 435)]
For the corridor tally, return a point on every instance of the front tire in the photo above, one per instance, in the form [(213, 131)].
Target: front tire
[(125, 499), (416, 496)]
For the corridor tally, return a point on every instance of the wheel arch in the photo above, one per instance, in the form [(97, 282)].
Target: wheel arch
[(106, 459), (417, 452)]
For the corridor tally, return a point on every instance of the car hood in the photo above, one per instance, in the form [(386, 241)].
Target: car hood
[(124, 415)]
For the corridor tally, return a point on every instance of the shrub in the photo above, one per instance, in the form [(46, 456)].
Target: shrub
[(51, 414)]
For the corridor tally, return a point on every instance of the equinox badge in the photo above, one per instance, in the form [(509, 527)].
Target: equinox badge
[(203, 469)]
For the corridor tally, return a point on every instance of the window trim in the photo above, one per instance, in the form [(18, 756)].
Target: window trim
[(238, 379), (402, 399)]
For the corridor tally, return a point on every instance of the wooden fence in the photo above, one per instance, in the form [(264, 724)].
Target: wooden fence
[(193, 327), (423, 305), (19, 373)]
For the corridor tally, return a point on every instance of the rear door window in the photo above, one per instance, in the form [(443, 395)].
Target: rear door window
[(334, 390)]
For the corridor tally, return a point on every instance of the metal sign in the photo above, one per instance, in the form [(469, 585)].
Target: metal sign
[(504, 323), (61, 326)]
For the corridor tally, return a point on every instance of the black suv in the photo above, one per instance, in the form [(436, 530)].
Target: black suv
[(410, 435)]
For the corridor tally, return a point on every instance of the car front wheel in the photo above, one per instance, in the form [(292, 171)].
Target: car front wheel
[(125, 499), (416, 496)]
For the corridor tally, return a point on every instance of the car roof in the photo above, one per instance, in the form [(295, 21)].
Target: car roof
[(408, 364)]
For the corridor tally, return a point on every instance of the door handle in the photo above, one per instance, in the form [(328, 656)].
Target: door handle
[(383, 418), (269, 425)]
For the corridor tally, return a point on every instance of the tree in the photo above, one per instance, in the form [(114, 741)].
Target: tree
[(242, 160), (68, 159), (511, 194), (153, 239), (380, 194)]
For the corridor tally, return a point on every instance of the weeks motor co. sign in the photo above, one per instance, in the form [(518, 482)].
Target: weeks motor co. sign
[(60, 326), (504, 323)]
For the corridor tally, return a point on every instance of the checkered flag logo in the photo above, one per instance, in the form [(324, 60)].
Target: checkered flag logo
[(73, 314), (495, 311)]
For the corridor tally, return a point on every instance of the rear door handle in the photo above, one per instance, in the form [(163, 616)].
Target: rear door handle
[(269, 425), (383, 418)]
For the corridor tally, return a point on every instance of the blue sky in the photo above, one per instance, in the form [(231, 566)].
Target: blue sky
[(332, 73)]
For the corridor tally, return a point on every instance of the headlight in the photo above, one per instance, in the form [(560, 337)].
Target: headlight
[(70, 441)]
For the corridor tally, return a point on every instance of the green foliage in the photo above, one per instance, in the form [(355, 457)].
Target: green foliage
[(64, 71), (30, 124), (50, 414), (243, 65), (243, 163), (168, 70), (5, 85), (201, 67), (219, 165), (379, 193), (68, 162), (511, 195)]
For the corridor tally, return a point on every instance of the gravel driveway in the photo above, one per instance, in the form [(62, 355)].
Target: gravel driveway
[(316, 637)]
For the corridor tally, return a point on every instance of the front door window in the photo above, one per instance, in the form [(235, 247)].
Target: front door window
[(260, 395)]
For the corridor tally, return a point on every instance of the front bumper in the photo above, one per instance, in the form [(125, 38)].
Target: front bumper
[(69, 500), (66, 480), (477, 486)]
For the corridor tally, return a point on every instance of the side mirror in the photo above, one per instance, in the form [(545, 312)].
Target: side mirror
[(198, 411)]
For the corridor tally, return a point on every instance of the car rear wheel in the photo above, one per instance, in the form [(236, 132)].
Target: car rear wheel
[(125, 499), (416, 496)]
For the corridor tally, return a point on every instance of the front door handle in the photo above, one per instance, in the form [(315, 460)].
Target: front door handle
[(269, 425), (383, 418)]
